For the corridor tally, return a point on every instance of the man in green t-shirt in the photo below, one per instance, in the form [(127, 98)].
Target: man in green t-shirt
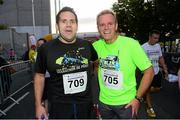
[(119, 57)]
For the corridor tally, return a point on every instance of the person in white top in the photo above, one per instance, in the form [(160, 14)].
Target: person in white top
[(153, 51)]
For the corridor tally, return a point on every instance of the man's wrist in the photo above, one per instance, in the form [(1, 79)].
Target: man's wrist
[(140, 99)]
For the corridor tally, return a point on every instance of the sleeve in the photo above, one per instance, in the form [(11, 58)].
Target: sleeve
[(40, 64), (160, 51), (139, 56), (94, 55)]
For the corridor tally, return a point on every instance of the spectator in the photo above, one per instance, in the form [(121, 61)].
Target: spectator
[(40, 42), (2, 60), (32, 40), (3, 52), (5, 74), (11, 54), (118, 58), (25, 55), (32, 53)]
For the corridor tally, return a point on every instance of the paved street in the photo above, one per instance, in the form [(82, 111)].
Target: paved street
[(166, 103)]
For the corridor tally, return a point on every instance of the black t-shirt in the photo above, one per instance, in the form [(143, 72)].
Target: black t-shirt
[(68, 65)]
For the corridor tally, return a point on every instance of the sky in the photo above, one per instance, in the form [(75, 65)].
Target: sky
[(86, 11)]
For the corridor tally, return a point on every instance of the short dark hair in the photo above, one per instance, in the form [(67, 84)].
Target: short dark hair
[(66, 9), (41, 39), (154, 32)]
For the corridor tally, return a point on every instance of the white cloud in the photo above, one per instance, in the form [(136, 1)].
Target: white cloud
[(87, 11)]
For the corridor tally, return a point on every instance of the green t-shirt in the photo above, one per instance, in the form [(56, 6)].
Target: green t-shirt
[(116, 71)]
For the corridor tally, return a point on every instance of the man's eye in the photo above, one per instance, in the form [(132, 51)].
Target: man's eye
[(63, 21), (110, 24), (73, 21), (101, 25)]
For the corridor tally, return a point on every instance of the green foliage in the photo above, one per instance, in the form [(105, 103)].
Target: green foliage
[(1, 2), (3, 26), (136, 17)]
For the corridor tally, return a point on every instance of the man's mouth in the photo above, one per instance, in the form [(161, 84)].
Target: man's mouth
[(68, 31), (107, 32)]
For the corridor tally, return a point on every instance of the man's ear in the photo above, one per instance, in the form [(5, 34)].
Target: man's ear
[(116, 26), (57, 28)]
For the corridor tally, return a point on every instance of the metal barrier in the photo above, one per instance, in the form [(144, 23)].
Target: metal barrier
[(14, 78)]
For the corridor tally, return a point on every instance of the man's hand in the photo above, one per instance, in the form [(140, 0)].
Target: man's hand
[(135, 106), (40, 112)]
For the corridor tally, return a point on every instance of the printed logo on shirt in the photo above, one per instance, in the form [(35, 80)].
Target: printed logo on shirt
[(110, 62), (71, 61)]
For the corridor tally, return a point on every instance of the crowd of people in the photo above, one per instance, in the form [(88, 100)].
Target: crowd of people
[(114, 58)]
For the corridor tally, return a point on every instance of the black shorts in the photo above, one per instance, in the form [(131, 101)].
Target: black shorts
[(157, 80), (70, 110)]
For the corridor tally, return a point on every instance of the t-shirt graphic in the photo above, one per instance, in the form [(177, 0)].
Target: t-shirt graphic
[(110, 62), (72, 60), (154, 57), (154, 53)]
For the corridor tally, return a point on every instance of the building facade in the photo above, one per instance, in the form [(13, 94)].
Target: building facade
[(26, 16)]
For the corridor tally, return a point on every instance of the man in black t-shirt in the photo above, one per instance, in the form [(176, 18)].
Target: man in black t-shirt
[(67, 59)]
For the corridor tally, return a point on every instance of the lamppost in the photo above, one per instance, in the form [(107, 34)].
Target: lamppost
[(33, 17)]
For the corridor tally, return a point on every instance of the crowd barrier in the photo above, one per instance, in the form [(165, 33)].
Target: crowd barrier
[(13, 79)]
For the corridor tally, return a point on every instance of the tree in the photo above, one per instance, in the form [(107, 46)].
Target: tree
[(169, 17), (3, 26), (136, 17), (1, 2)]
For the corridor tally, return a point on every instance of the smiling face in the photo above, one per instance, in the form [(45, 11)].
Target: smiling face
[(107, 27), (67, 26)]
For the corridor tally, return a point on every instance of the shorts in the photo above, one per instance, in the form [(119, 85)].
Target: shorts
[(157, 80), (70, 110)]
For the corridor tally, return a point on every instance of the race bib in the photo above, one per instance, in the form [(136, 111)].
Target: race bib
[(75, 82), (112, 79)]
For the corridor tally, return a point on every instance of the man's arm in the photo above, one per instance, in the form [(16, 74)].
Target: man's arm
[(39, 81), (143, 87), (96, 64), (163, 64), (179, 78), (145, 81)]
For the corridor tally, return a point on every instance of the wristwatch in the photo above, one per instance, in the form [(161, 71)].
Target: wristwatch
[(140, 99)]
